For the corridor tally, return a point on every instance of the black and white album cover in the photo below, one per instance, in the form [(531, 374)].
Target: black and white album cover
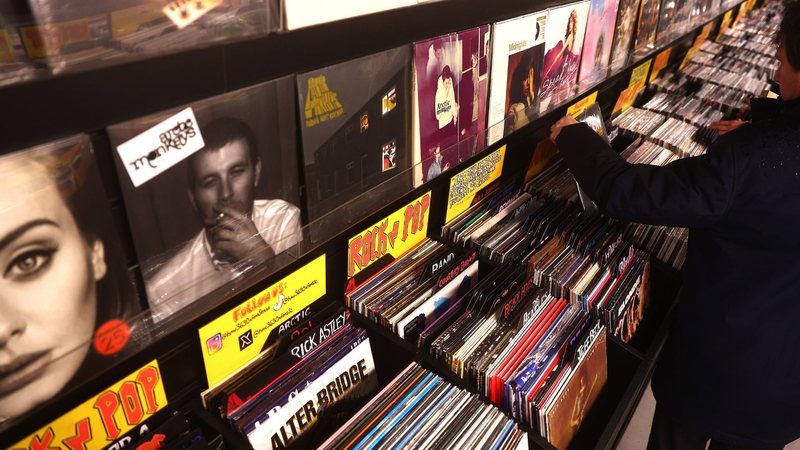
[(355, 125), (65, 281), (211, 190)]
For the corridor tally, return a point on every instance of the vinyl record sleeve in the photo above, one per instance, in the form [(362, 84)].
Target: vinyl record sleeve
[(353, 376), (578, 394), (517, 52), (673, 18), (566, 27), (66, 283), (355, 127), (243, 178), (648, 23), (597, 42), (624, 33), (450, 92)]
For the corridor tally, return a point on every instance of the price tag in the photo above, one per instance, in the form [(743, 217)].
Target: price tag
[(581, 105), (466, 185), (639, 75), (661, 61), (184, 12)]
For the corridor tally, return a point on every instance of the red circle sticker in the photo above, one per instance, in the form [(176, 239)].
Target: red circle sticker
[(111, 337)]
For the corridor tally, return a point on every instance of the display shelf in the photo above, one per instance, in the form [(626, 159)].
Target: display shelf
[(90, 100)]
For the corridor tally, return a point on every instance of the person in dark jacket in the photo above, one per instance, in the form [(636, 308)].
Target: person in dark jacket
[(730, 370)]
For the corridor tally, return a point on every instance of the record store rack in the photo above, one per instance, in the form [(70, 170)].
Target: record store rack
[(87, 101)]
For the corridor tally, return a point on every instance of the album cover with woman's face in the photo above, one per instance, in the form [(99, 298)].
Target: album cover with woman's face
[(565, 30), (517, 52), (211, 191), (597, 42), (65, 280)]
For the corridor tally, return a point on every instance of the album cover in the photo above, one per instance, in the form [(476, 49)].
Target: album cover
[(517, 55), (450, 83), (627, 14), (579, 393), (71, 33), (673, 19), (66, 283), (565, 30), (354, 121), (211, 191), (646, 30), (597, 42)]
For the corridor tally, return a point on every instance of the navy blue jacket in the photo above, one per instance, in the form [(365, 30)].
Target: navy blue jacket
[(731, 365)]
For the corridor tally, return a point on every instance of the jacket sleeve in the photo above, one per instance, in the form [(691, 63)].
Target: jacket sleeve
[(764, 108), (690, 192)]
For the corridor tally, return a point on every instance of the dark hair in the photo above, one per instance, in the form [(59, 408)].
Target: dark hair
[(520, 73), (447, 73), (78, 182), (789, 33), (220, 132)]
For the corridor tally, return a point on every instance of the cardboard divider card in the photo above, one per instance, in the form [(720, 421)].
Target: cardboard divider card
[(388, 239), (184, 12), (236, 337), (103, 419), (161, 147), (582, 104), (639, 75), (465, 185), (660, 63)]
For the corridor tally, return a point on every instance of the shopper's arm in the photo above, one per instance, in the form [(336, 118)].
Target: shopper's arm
[(691, 192)]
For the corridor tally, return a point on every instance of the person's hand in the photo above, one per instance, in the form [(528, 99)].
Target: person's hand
[(446, 166), (744, 109), (236, 240), (565, 121), (726, 126)]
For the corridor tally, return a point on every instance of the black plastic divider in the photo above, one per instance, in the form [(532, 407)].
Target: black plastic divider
[(49, 108)]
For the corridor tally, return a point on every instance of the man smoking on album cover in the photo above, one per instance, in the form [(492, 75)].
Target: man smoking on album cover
[(239, 231)]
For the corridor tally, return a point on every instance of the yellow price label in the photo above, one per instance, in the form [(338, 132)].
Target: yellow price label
[(393, 235), (661, 61), (466, 185), (581, 105), (236, 337), (639, 75)]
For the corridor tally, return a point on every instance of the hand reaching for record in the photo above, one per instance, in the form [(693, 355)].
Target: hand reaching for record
[(726, 126), (565, 121)]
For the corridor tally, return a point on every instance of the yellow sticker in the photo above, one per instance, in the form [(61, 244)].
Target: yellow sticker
[(706, 31), (130, 20), (725, 24), (6, 50), (639, 75), (580, 106), (47, 40), (465, 185), (236, 337), (625, 100), (184, 12), (661, 61), (106, 417), (393, 235)]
